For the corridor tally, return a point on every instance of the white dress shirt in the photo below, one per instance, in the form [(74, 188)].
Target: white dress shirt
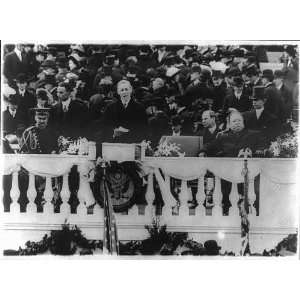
[(259, 112), (66, 104)]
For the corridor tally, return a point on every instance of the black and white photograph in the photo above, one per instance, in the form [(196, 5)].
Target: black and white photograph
[(149, 149)]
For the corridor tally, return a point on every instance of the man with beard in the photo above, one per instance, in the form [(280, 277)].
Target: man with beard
[(125, 120)]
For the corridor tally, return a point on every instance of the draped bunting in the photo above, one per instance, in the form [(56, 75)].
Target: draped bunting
[(281, 171), (41, 165)]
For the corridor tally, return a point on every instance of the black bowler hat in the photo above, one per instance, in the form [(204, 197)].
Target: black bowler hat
[(13, 99), (258, 93), (267, 73), (238, 81), (21, 78), (49, 64), (217, 74), (251, 70)]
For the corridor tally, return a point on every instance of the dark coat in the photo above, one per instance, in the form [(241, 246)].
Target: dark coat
[(208, 137), (219, 93), (74, 122), (286, 98), (243, 104), (13, 125), (133, 118), (36, 141), (12, 67), (229, 143), (26, 102), (273, 104), (268, 124)]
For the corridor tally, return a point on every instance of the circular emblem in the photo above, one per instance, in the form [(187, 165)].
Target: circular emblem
[(123, 188)]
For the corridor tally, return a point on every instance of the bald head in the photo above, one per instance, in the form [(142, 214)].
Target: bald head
[(208, 119)]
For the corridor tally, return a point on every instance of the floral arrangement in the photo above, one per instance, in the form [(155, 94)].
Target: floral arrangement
[(168, 149), (70, 146), (285, 146)]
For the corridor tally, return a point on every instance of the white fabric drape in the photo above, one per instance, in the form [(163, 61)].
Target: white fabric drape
[(282, 171), (41, 165)]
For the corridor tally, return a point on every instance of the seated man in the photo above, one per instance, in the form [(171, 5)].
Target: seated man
[(210, 129), (231, 144), (40, 138), (237, 138)]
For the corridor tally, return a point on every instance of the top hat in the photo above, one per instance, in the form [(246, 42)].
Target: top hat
[(212, 247), (258, 93), (267, 73)]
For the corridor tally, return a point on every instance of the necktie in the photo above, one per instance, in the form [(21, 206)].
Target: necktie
[(65, 109)]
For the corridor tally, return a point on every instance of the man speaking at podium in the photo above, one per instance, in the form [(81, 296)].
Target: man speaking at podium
[(125, 121)]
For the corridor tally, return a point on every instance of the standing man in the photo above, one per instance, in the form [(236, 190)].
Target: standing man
[(285, 95), (25, 98), (237, 98), (273, 103), (70, 116), (261, 120), (14, 64), (125, 120)]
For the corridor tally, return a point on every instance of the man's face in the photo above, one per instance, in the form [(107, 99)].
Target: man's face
[(13, 107), (238, 89), (49, 86), (236, 123), (21, 85), (207, 120), (264, 80), (40, 58), (278, 81), (217, 81), (194, 76), (157, 84), (125, 91), (258, 103), (41, 121), (62, 93), (176, 128)]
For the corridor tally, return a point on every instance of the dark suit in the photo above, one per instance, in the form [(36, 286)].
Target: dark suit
[(286, 102), (242, 104), (229, 143), (13, 125), (219, 93), (273, 104), (133, 117), (25, 103), (268, 124), (12, 67), (72, 123), (208, 137)]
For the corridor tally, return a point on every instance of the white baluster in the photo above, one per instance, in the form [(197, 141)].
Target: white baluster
[(150, 195), (184, 196), (82, 194), (234, 198), (15, 193), (217, 196), (200, 195), (168, 206), (31, 194), (65, 195), (48, 195)]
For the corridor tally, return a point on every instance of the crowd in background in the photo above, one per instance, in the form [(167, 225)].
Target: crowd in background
[(180, 89)]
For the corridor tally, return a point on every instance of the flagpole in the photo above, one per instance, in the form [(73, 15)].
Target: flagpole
[(110, 236)]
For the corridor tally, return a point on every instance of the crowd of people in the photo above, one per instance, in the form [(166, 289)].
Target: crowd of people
[(131, 93)]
